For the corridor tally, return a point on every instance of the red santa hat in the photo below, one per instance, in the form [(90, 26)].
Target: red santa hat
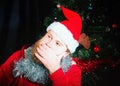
[(68, 30)]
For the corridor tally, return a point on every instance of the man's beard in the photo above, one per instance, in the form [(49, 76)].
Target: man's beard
[(36, 72)]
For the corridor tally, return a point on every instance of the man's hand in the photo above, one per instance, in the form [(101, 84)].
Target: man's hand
[(84, 41), (47, 56)]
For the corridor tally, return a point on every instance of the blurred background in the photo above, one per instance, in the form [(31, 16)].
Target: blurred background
[(21, 21), (24, 21)]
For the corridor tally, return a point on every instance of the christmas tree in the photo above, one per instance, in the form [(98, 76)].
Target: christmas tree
[(103, 29)]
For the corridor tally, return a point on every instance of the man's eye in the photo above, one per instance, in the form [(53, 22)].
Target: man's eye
[(49, 36), (57, 43)]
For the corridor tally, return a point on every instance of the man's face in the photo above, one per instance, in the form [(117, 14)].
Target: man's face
[(53, 42)]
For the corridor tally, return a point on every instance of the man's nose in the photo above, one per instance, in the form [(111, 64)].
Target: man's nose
[(50, 43), (46, 40)]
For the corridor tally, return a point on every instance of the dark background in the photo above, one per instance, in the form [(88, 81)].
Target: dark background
[(21, 21)]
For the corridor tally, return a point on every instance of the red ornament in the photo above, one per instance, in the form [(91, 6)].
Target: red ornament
[(97, 49), (114, 25)]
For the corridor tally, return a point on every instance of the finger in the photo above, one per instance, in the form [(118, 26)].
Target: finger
[(41, 47), (45, 48), (40, 51), (48, 49), (39, 57)]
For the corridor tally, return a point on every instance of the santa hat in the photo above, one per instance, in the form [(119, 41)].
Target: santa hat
[(68, 30)]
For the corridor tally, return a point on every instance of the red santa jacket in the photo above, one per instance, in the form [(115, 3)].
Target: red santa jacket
[(58, 78)]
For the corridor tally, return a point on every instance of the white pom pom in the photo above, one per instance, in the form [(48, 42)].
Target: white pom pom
[(58, 6)]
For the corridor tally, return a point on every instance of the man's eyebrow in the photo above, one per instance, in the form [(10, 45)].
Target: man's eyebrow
[(50, 34)]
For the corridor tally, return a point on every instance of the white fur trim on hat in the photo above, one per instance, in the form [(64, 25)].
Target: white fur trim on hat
[(64, 34)]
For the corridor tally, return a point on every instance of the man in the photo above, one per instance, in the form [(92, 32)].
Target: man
[(48, 61)]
